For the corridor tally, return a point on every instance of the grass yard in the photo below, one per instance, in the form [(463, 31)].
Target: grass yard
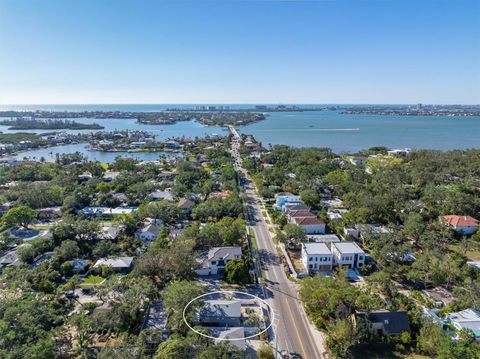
[(92, 280)]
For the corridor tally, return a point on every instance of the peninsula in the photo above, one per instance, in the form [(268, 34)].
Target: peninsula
[(34, 124)]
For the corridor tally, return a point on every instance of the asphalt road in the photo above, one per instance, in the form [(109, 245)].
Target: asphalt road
[(293, 334)]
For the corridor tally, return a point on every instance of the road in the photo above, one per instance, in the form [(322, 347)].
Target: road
[(293, 333)]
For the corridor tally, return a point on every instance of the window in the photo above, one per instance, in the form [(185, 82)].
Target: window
[(316, 259), (311, 259), (310, 266), (360, 258), (214, 262)]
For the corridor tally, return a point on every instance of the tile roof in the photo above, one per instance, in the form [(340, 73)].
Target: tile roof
[(305, 221), (460, 221)]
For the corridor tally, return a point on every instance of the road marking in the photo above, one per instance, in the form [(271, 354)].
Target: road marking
[(296, 329)]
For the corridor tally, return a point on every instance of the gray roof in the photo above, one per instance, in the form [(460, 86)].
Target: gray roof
[(393, 322), (348, 247), (118, 262), (217, 253), (221, 308), (316, 248), (152, 228)]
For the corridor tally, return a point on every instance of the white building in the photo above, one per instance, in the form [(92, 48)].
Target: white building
[(348, 254), (466, 319), (311, 225), (466, 224), (316, 256), (149, 232), (216, 259)]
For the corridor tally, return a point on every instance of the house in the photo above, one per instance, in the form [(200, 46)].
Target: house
[(235, 336), (41, 258), (283, 198), (110, 232), (5, 207), (466, 224), (440, 296), (384, 322), (49, 213), (334, 216), (324, 238), (149, 232), (10, 259), (156, 318), (348, 254), (331, 203), (399, 152), (465, 319), (220, 313), (357, 161), (118, 264), (316, 256), (216, 259), (311, 225), (109, 176), (291, 215), (166, 195), (186, 205), (295, 207)]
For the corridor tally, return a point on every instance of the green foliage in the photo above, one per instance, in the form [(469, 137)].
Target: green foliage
[(341, 337), (265, 352), (217, 208), (21, 216), (237, 271), (176, 296)]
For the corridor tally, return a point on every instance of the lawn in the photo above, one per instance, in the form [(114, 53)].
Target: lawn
[(92, 280)]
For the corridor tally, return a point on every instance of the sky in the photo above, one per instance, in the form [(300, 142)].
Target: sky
[(226, 51)]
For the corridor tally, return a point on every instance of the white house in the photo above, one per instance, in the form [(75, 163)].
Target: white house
[(316, 256), (118, 264), (149, 232), (216, 259), (283, 198), (466, 319), (466, 224), (311, 225), (348, 254)]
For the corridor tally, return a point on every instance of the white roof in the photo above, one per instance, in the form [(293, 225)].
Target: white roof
[(347, 247), (224, 252), (235, 334), (316, 248), (222, 308), (118, 262)]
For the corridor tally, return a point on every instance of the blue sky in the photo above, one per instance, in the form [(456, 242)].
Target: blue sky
[(139, 51)]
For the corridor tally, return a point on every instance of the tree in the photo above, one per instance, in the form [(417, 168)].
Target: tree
[(265, 352), (310, 197), (104, 249), (237, 271), (21, 216), (175, 298), (292, 235), (341, 336), (67, 250), (175, 347), (221, 351)]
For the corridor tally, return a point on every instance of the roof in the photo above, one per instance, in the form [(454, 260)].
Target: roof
[(222, 194), (316, 248), (186, 203), (324, 238), (167, 195), (393, 322), (293, 206), (224, 252), (460, 221), (306, 221), (156, 317), (347, 247), (466, 319), (118, 262), (235, 334), (221, 308), (301, 213), (151, 228)]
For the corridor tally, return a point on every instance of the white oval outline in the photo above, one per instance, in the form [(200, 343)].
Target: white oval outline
[(229, 292)]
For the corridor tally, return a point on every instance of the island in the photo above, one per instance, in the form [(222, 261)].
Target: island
[(21, 123)]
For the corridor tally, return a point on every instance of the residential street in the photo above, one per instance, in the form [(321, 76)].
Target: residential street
[(294, 334)]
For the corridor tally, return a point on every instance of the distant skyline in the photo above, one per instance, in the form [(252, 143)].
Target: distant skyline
[(239, 52)]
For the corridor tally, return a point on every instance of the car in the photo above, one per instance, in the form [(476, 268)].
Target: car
[(70, 294)]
